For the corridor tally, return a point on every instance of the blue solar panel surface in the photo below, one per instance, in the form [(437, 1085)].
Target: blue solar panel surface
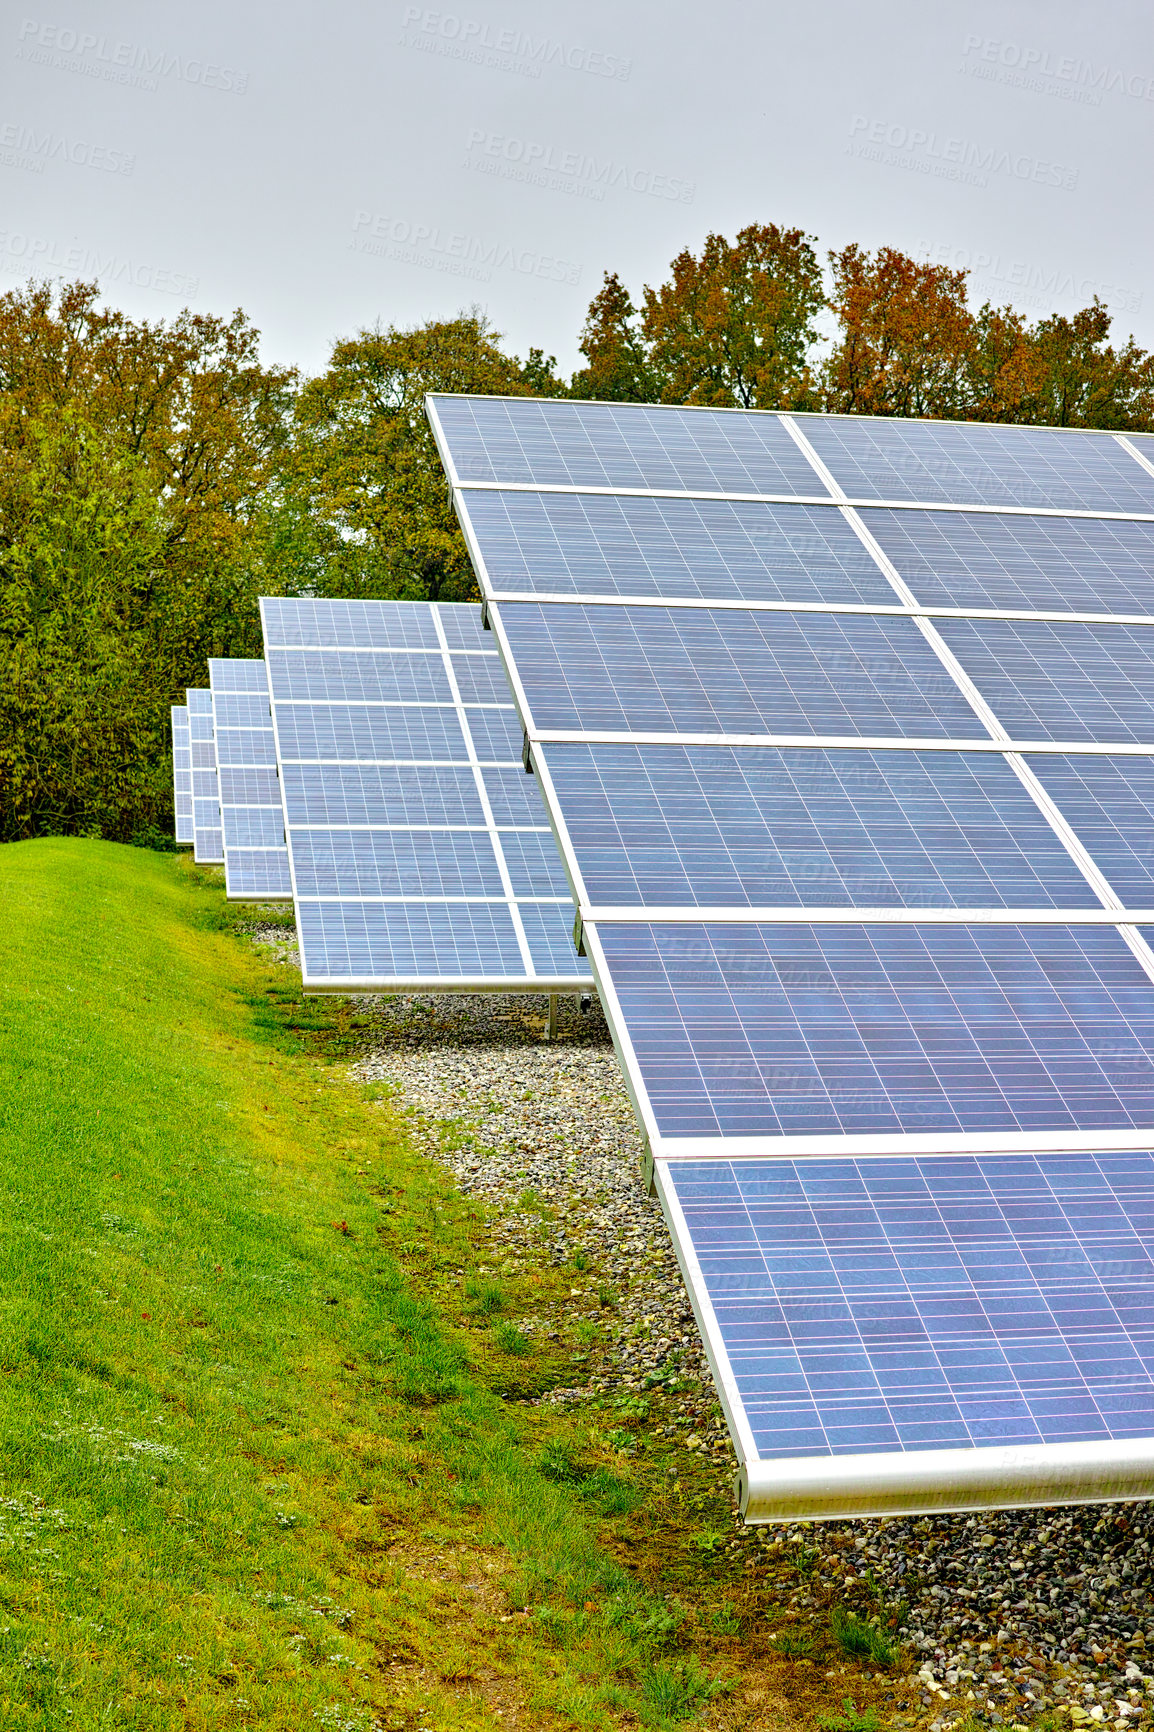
[(713, 826), (1049, 681), (414, 832), (911, 1301), (780, 1030), (207, 839), (712, 550), (700, 670), (256, 863), (618, 445), (1058, 564), (979, 463), (941, 1302)]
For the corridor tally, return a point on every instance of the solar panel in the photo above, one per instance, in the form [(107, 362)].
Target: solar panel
[(181, 773), (519, 439), (714, 826), (1060, 564), (881, 1008), (1048, 681), (208, 844), (677, 670), (256, 867), (792, 1030), (714, 550), (979, 463), (421, 853), (905, 1304)]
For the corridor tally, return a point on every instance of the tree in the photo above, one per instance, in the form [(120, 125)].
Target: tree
[(367, 462), (1079, 380), (138, 496), (736, 325), (906, 338), (619, 369)]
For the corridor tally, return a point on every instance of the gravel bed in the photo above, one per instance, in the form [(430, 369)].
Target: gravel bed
[(1009, 1615)]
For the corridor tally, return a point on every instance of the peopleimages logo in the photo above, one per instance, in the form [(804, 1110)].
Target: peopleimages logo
[(454, 252), (129, 63), (1036, 285), (25, 147), (1033, 68), (569, 171), (960, 159), (21, 254), (457, 38)]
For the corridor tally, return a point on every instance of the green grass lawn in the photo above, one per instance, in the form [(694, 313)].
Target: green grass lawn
[(263, 1459), (249, 1475)]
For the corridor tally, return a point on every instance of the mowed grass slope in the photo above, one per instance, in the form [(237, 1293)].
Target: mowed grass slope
[(246, 1475)]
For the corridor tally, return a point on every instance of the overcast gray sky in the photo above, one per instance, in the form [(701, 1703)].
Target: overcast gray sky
[(323, 166)]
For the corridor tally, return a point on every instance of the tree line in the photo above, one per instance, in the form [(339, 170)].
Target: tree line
[(158, 477)]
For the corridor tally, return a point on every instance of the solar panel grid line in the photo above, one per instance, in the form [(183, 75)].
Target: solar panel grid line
[(1065, 831), (846, 742), (899, 610), (822, 914), (1138, 455), (821, 469), (804, 1148), (852, 501), (483, 796)]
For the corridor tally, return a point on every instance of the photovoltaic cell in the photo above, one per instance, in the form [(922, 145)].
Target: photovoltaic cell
[(421, 851), (622, 445), (1075, 565), (1110, 803), (941, 1302), (711, 826), (978, 463), (181, 773), (767, 1030), (702, 670), (256, 864), (1048, 681), (712, 550)]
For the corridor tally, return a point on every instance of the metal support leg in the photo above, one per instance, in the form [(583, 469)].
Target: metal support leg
[(552, 1034)]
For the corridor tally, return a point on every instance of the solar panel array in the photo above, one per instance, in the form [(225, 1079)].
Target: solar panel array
[(420, 853), (256, 867), (207, 840), (846, 730), (181, 772)]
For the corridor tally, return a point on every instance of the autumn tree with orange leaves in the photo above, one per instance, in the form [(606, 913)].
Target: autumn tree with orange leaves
[(737, 325)]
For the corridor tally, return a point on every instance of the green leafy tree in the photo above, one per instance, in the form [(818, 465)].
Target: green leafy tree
[(367, 462), (735, 325)]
